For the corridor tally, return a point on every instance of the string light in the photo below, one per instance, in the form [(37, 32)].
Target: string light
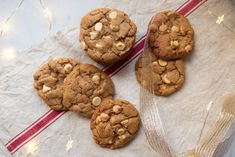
[(32, 148), (209, 106), (4, 26), (220, 19), (69, 144), (204, 123), (47, 14), (8, 53)]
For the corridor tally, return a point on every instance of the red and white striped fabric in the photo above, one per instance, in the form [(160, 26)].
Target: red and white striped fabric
[(50, 117)]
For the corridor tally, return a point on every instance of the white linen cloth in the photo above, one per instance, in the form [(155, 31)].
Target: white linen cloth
[(209, 75)]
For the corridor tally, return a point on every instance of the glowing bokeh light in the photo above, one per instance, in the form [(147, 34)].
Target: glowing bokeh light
[(32, 148), (69, 144), (8, 53)]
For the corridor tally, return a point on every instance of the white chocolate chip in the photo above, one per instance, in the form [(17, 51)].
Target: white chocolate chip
[(122, 137), (175, 43), (120, 131), (163, 28), (182, 30), (188, 48), (162, 62), (169, 13), (98, 53), (93, 35), (98, 120), (165, 79), (64, 80), (98, 26), (155, 63), (45, 88), (98, 45), (96, 101), (114, 28), (125, 122), (113, 15), (83, 45), (96, 79), (120, 46), (175, 29), (68, 67), (107, 37), (117, 109), (104, 117)]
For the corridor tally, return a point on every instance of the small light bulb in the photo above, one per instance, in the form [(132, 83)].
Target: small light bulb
[(209, 106), (47, 13), (32, 147), (220, 19), (210, 12), (4, 27), (8, 53), (69, 144)]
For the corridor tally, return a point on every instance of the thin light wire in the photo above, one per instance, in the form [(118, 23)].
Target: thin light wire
[(205, 120), (48, 16), (216, 16), (11, 15)]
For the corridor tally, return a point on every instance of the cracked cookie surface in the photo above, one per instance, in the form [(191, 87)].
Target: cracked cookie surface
[(107, 35), (48, 81), (85, 88), (167, 76), (115, 123), (171, 35)]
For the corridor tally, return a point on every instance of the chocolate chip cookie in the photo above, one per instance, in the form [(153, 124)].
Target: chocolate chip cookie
[(115, 123), (167, 76), (107, 35), (49, 81), (85, 88), (171, 35)]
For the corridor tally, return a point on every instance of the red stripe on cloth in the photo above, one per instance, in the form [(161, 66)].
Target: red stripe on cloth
[(32, 131), (182, 5), (27, 127), (39, 131), (127, 62), (195, 7), (189, 6), (43, 122), (109, 71)]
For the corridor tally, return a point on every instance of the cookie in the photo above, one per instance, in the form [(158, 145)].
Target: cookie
[(85, 88), (171, 35), (107, 35), (115, 123), (167, 76), (48, 81)]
